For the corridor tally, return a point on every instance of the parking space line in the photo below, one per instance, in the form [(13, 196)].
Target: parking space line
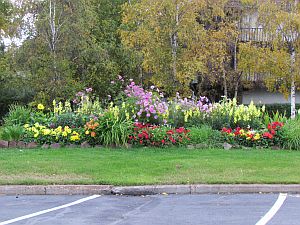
[(272, 211), (49, 210)]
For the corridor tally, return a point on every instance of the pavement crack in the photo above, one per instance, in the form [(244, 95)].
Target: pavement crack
[(132, 212)]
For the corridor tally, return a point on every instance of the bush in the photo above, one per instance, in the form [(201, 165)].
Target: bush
[(12, 133), (17, 115), (204, 135), (283, 109), (291, 134), (69, 119)]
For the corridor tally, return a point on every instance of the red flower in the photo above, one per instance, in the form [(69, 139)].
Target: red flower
[(180, 130), (273, 132), (268, 135), (141, 141), (163, 141), (225, 130), (170, 132)]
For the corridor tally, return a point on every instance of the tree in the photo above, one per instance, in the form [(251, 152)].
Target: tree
[(167, 38), (281, 22), (5, 11)]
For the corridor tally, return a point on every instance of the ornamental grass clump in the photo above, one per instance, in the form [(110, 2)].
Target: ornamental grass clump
[(291, 134)]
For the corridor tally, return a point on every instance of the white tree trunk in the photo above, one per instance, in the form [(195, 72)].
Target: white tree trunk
[(293, 87), (225, 84), (174, 43)]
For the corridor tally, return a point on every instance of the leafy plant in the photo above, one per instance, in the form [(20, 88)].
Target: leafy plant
[(12, 133), (291, 134), (204, 134), (17, 115), (69, 119)]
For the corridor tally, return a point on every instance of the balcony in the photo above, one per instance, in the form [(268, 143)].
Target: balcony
[(252, 34)]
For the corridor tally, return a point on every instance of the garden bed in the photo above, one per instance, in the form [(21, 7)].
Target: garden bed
[(140, 166)]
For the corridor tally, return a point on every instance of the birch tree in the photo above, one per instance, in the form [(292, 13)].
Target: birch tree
[(168, 38), (281, 22)]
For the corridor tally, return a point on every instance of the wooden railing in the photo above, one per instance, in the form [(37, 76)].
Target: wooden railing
[(253, 34)]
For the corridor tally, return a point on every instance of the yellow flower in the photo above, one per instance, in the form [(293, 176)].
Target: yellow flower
[(41, 107), (67, 129), (256, 137), (36, 134), (64, 134), (46, 132), (87, 132), (75, 138), (26, 126)]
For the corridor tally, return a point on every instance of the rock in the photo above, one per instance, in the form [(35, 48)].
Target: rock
[(201, 145), (227, 146), (85, 145), (190, 147), (276, 147), (21, 144), (45, 146), (3, 144), (12, 144), (32, 145), (55, 145)]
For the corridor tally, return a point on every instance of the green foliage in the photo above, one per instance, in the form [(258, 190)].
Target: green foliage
[(17, 115), (291, 134), (204, 135), (12, 133), (69, 119), (114, 132), (228, 113), (283, 109)]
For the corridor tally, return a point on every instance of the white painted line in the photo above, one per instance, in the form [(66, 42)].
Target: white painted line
[(49, 210), (272, 211)]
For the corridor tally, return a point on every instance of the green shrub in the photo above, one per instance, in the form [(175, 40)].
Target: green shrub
[(17, 115), (69, 119), (291, 134), (283, 109), (12, 133), (204, 135)]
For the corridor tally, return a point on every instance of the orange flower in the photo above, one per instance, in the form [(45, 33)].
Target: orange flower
[(93, 134)]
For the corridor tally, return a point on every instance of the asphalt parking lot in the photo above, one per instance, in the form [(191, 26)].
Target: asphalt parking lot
[(211, 209)]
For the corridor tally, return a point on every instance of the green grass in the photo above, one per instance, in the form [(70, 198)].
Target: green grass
[(148, 166)]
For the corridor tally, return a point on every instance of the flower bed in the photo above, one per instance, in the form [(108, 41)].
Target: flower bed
[(143, 118)]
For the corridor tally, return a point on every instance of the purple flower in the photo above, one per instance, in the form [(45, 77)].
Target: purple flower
[(120, 77), (148, 115), (88, 90)]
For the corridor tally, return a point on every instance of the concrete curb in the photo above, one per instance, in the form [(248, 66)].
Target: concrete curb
[(146, 190)]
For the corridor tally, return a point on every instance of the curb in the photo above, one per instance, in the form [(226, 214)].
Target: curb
[(147, 190)]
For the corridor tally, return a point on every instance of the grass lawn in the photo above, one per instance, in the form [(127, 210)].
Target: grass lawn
[(148, 166)]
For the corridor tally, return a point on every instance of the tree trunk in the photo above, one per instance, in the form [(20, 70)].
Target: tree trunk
[(293, 86), (225, 84), (174, 44)]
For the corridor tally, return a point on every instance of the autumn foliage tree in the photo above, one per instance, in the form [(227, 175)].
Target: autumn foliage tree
[(167, 38)]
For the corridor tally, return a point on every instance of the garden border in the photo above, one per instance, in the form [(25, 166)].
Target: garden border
[(147, 190)]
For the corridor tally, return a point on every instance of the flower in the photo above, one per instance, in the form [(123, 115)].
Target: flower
[(93, 134), (41, 107), (268, 135)]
